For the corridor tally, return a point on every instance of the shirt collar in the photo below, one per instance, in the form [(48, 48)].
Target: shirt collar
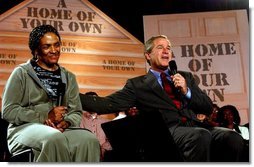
[(157, 74)]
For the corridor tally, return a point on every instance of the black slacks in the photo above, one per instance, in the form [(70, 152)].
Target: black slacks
[(214, 144)]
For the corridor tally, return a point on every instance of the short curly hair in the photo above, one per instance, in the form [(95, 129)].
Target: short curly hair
[(37, 33), (234, 111)]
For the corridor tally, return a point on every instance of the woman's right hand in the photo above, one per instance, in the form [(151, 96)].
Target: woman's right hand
[(57, 114)]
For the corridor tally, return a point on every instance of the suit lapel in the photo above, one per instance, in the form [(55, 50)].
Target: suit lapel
[(151, 81)]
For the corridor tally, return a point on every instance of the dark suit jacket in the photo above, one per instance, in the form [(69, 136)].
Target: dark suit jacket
[(147, 95)]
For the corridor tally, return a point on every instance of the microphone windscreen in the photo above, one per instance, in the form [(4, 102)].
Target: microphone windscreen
[(173, 67)]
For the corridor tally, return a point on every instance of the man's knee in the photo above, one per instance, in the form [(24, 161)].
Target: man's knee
[(233, 140), (228, 148), (202, 136)]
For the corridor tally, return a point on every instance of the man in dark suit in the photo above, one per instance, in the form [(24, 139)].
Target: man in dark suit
[(196, 142)]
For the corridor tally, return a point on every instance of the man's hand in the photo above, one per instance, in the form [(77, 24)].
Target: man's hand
[(180, 83), (201, 117), (132, 111)]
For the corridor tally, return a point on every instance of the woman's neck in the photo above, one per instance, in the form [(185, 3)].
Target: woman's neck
[(49, 67)]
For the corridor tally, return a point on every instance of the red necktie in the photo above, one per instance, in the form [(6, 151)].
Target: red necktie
[(169, 91)]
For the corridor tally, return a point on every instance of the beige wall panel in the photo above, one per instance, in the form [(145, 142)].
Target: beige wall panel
[(100, 92), (4, 76), (92, 81), (101, 60), (98, 70), (74, 18), (221, 26), (20, 56), (78, 46), (178, 28)]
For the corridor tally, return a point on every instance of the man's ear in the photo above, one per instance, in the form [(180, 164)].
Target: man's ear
[(147, 56)]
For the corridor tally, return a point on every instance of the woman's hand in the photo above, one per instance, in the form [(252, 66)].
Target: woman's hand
[(61, 126), (57, 114)]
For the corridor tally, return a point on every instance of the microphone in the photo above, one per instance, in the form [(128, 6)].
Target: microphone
[(61, 91), (173, 70), (172, 67)]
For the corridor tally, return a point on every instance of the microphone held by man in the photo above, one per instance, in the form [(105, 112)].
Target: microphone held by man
[(172, 67)]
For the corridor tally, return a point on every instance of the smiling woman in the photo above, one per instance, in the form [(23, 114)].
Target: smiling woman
[(47, 107), (49, 52)]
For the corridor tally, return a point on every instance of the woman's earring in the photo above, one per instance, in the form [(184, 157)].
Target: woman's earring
[(35, 56)]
